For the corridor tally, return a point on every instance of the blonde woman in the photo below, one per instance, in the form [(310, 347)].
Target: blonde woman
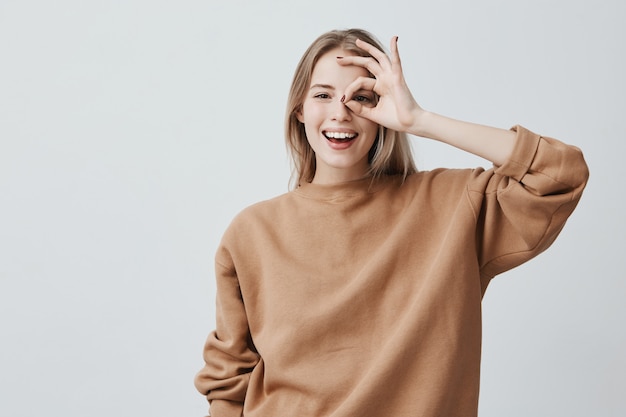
[(358, 293)]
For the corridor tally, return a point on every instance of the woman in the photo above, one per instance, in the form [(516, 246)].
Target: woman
[(359, 292)]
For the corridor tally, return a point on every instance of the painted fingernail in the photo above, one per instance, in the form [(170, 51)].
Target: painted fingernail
[(343, 98)]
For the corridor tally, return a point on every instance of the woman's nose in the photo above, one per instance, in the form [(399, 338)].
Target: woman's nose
[(340, 111)]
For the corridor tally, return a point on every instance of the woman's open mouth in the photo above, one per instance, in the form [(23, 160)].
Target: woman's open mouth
[(339, 137)]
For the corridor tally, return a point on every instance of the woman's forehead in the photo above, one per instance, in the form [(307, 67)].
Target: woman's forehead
[(326, 69)]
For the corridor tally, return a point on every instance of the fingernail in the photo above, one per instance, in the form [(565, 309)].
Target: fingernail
[(343, 98)]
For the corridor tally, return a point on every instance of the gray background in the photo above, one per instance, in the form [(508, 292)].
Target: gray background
[(131, 132)]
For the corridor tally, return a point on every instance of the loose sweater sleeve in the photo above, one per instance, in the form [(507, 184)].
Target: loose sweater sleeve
[(523, 206), (229, 353)]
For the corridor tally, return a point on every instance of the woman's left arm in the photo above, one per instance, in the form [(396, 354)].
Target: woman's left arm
[(397, 109), (521, 205)]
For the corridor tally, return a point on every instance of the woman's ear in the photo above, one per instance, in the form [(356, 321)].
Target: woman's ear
[(299, 115)]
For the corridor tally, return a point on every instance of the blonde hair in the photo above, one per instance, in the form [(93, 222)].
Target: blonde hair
[(391, 152)]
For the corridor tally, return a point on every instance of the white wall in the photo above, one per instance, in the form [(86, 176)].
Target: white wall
[(131, 132)]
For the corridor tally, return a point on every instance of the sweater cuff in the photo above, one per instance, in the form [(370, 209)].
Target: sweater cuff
[(523, 154), (225, 408)]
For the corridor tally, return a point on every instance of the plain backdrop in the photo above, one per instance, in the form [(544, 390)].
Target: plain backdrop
[(132, 131)]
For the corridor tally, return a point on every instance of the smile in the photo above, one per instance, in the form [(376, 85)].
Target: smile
[(339, 136)]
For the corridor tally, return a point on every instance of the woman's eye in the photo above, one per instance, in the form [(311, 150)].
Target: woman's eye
[(365, 100), (322, 95)]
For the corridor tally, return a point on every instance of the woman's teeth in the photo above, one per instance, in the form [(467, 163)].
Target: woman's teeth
[(339, 135)]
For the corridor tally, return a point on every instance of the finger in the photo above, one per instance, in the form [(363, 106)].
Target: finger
[(380, 56), (368, 63), (360, 84), (395, 54), (358, 108)]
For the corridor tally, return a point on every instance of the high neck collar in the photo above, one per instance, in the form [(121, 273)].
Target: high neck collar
[(341, 190)]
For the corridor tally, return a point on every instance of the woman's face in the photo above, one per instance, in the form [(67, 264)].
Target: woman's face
[(340, 139)]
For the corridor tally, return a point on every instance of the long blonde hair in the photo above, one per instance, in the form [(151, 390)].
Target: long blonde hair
[(391, 152)]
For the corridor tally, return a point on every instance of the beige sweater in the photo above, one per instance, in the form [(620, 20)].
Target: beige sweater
[(364, 299)]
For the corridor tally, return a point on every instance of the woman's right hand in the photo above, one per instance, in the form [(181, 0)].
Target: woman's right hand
[(396, 108)]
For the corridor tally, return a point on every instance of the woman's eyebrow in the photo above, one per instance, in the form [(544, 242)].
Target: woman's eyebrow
[(325, 86)]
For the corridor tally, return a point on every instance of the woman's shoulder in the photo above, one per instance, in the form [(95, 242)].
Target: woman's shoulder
[(444, 176), (263, 209), (443, 179)]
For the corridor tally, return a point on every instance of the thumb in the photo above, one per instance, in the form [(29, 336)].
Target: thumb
[(360, 110), (356, 108)]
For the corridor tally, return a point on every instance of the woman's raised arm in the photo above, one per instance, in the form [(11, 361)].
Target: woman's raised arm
[(397, 109)]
